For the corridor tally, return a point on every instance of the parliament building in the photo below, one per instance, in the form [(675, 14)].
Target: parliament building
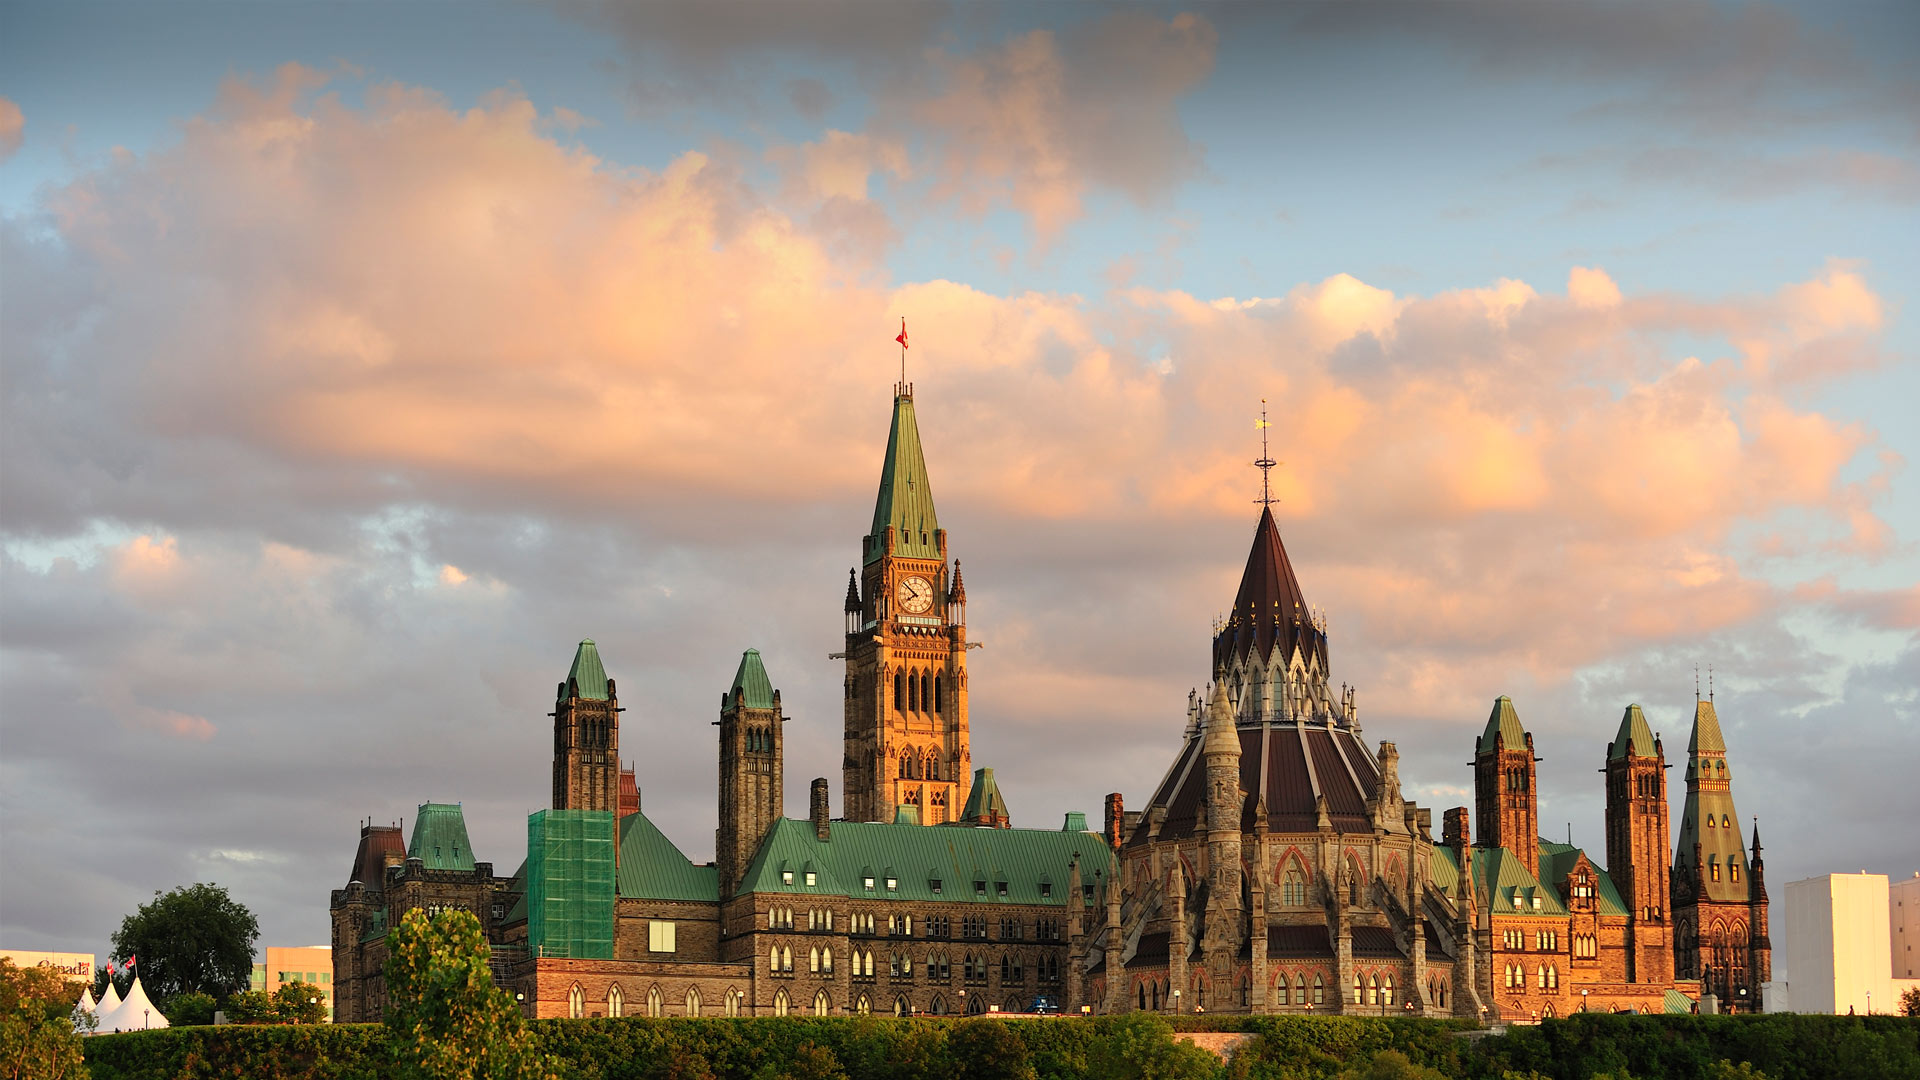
[(1275, 867)]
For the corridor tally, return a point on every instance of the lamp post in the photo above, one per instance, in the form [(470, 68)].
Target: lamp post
[(1583, 1000), (1869, 1003), (1176, 1001)]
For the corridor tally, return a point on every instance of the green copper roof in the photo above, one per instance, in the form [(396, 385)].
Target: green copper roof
[(652, 868), (1033, 863), (984, 801), (1678, 1004), (1558, 860), (440, 838), (1505, 722), (906, 498), (1500, 877), (751, 680), (587, 672), (1634, 736), (1706, 731)]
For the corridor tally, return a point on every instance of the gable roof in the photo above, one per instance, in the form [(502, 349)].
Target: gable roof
[(984, 801), (1634, 737), (750, 680), (1558, 860), (905, 500), (652, 868), (1501, 878), (586, 673), (440, 838), (1032, 863)]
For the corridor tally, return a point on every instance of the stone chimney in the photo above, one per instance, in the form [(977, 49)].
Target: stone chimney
[(1116, 821), (822, 824), (1453, 829)]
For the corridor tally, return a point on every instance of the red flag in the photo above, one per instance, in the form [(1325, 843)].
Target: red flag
[(129, 963), (111, 970), (902, 339)]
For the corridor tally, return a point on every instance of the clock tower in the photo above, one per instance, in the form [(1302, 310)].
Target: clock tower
[(906, 681)]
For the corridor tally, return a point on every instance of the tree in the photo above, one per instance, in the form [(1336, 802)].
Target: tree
[(444, 1015), (1910, 1002), (195, 939), (251, 1007), (36, 1025), (300, 1003), (191, 1009), (988, 1050), (1390, 1065), (1140, 1046)]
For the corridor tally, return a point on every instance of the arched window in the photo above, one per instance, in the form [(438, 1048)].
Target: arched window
[(1553, 977), (1319, 991), (1142, 988), (1359, 989), (576, 1002), (976, 1005), (900, 1007), (1281, 986), (780, 1003), (616, 1001), (899, 692), (903, 765), (1546, 1011), (1293, 888), (786, 959), (1733, 869), (732, 1002), (933, 773), (693, 1001), (821, 1005), (1386, 990), (861, 1006), (913, 692), (813, 960), (826, 959), (1354, 890), (1373, 990), (939, 695), (656, 1002), (937, 1007)]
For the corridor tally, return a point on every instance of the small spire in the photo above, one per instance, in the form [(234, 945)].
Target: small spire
[(958, 594), (1265, 463), (1756, 836), (853, 591)]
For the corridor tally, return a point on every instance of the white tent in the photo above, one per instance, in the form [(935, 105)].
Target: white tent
[(82, 1007), (109, 1001), (133, 1014)]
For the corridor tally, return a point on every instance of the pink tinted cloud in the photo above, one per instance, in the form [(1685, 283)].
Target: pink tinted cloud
[(453, 297), (13, 126)]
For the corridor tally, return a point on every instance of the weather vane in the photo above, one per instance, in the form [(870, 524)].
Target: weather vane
[(1266, 462)]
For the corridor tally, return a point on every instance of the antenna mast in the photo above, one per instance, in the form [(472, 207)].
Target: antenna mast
[(1266, 462)]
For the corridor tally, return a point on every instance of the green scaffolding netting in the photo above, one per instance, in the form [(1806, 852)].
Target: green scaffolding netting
[(570, 883)]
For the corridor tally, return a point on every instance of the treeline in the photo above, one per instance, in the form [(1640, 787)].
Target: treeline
[(1135, 1047)]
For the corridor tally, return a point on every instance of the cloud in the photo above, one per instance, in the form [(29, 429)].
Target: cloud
[(287, 389), (13, 126)]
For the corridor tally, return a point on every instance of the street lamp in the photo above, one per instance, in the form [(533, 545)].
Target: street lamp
[(1176, 1000), (1583, 1000)]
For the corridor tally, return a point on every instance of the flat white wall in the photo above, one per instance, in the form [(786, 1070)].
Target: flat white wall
[(1903, 919), (1838, 944)]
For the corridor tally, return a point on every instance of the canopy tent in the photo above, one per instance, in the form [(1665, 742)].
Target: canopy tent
[(109, 1001), (134, 1013), (82, 1008)]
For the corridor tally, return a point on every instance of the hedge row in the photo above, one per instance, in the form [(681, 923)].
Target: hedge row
[(1588, 1047)]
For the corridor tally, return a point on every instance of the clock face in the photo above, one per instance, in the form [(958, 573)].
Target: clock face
[(915, 594)]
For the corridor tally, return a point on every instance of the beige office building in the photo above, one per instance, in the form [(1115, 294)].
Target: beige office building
[(73, 966), (1903, 918), (304, 963), (1838, 949)]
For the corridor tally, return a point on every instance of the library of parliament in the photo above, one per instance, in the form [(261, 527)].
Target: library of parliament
[(1274, 868)]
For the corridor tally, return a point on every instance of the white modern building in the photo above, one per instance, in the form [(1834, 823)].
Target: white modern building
[(1838, 944)]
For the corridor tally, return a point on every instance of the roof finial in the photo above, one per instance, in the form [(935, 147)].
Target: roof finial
[(902, 339), (1709, 684), (1696, 684), (1266, 462)]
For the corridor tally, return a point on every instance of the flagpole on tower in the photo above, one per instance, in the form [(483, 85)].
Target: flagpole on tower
[(1266, 462), (902, 339)]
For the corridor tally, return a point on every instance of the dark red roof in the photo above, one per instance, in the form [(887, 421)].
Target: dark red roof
[(369, 862), (1299, 941), (1270, 607), (1274, 767), (1374, 941)]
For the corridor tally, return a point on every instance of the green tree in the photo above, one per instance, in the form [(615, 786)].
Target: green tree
[(36, 1025), (191, 1009), (1910, 1002), (195, 939), (1727, 1070), (251, 1007), (1390, 1065), (1140, 1046), (988, 1050), (300, 1003), (445, 1017)]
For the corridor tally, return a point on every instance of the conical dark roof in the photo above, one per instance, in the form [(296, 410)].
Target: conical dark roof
[(1270, 607)]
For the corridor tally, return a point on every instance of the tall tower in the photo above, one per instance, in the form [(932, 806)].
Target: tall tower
[(1503, 790), (752, 752), (906, 680), (1220, 933), (586, 737), (1717, 937), (1637, 838)]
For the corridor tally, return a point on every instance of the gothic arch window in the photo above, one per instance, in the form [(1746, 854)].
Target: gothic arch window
[(1546, 1011), (1373, 990), (732, 1002), (933, 773), (826, 960), (899, 692), (939, 694), (1553, 977), (1142, 988), (861, 1006), (926, 692), (786, 959), (576, 1002), (813, 960), (781, 1003), (1319, 990), (904, 772), (1354, 890), (900, 1007), (1733, 868), (693, 1001), (616, 1001), (976, 1005), (656, 1002), (1282, 987), (773, 959), (1386, 990)]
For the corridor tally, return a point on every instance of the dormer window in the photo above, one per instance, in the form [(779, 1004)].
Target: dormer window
[(893, 883), (934, 884), (979, 888), (1000, 888), (786, 877), (867, 881), (812, 880), (1046, 891)]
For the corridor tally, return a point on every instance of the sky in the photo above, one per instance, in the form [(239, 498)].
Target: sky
[(357, 360)]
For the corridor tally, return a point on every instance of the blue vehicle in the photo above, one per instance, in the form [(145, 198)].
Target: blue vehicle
[(1045, 1003)]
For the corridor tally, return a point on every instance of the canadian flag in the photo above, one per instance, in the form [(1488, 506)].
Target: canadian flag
[(129, 963), (902, 339)]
